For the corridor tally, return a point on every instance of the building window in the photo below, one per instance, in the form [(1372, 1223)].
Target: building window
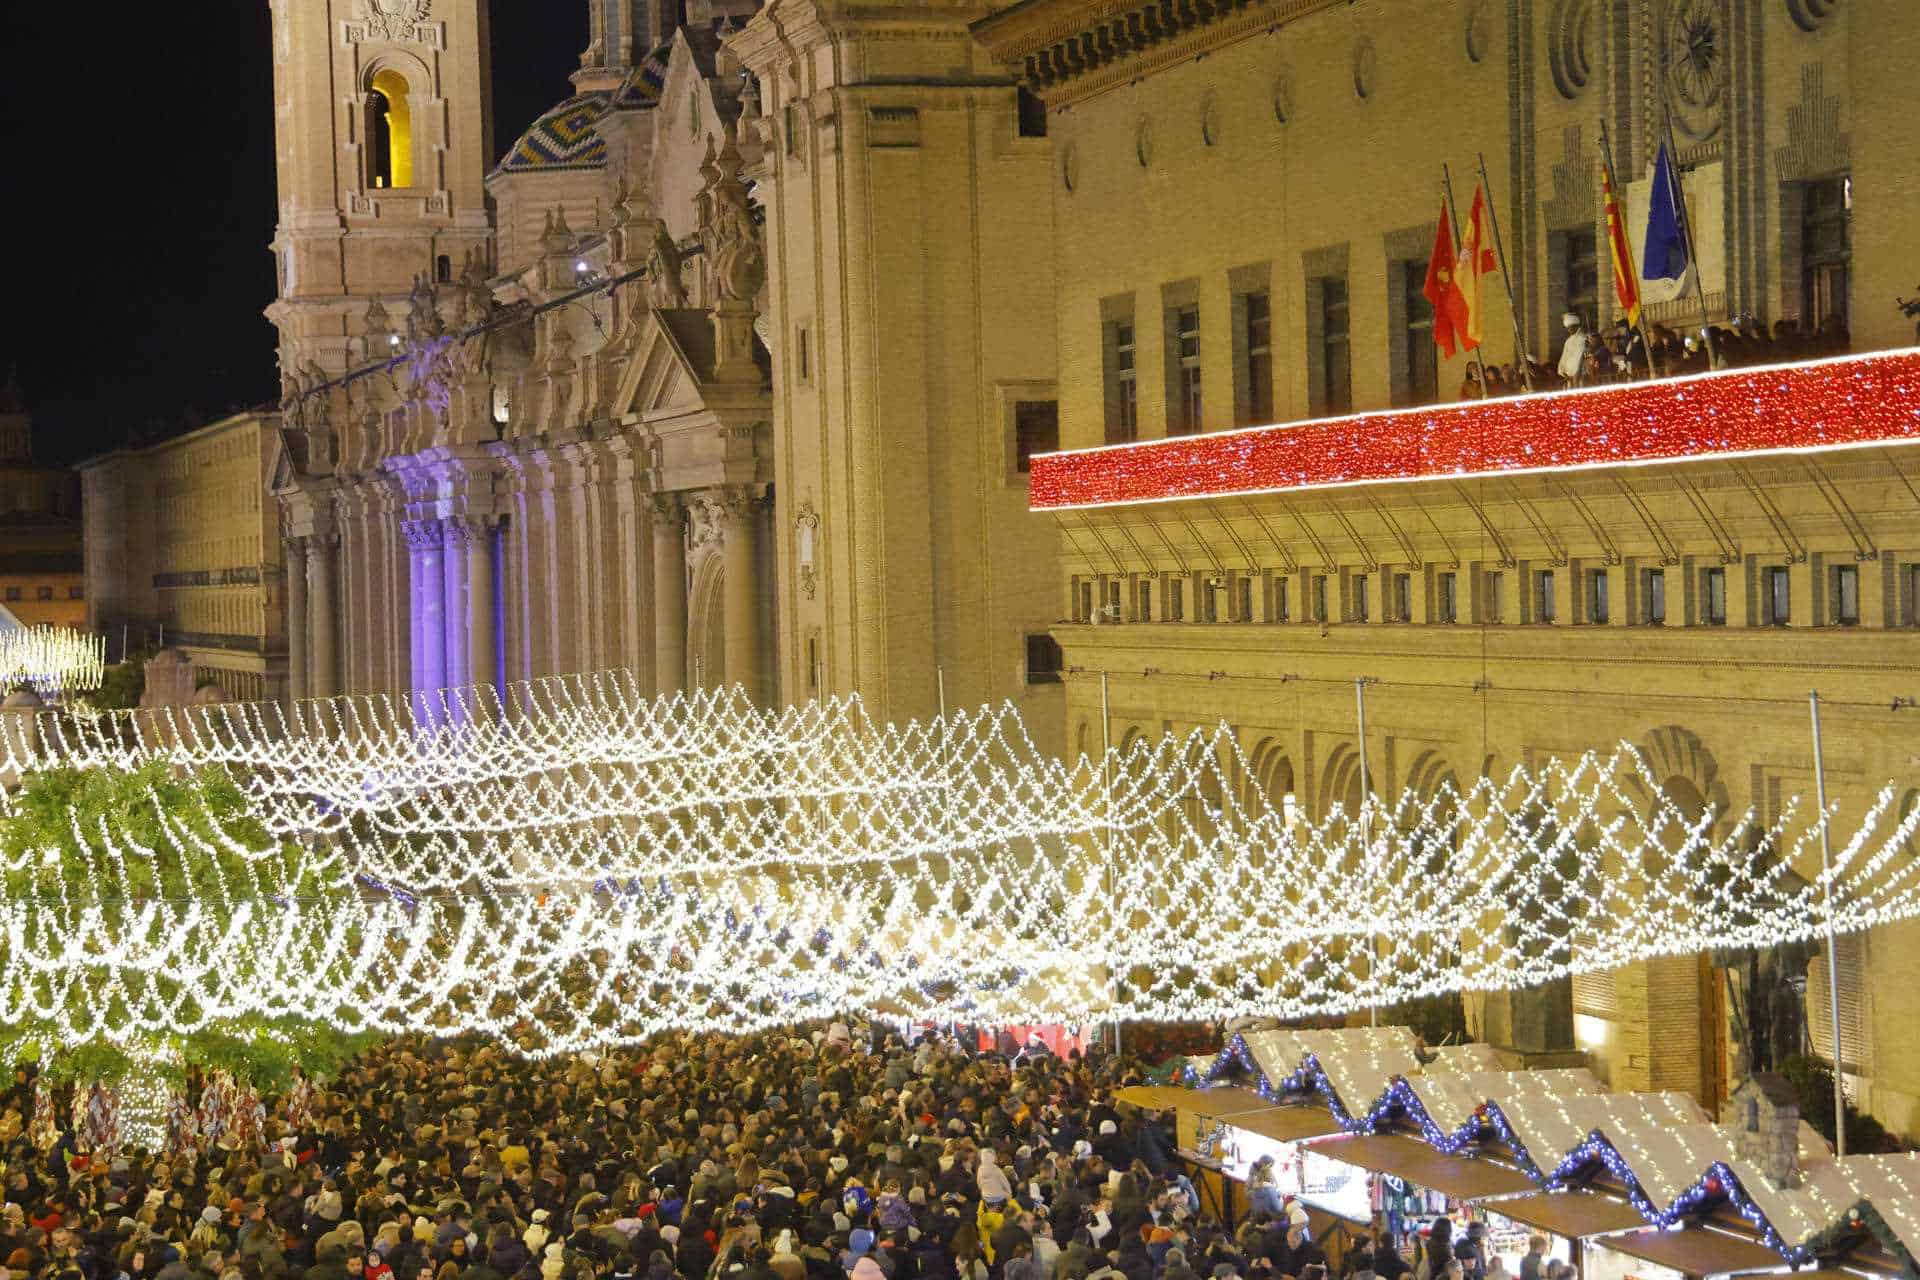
[(1911, 614), (1176, 599), (13, 593), (1281, 609), (1543, 595), (1653, 597), (1043, 659), (1420, 359), (1496, 604), (1032, 113), (1403, 597), (1113, 600), (1257, 338), (1360, 603), (389, 132), (43, 593), (802, 354), (1713, 597), (813, 662), (1036, 429), (1123, 402), (443, 269), (1143, 601), (1846, 595), (1243, 598), (1777, 594), (1597, 596), (1336, 350), (1826, 249), (76, 593), (1183, 409), (1319, 597), (1207, 597), (1083, 601), (1583, 277), (1446, 602)]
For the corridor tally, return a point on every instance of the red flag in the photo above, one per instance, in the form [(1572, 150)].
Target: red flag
[(1443, 291), (1474, 265)]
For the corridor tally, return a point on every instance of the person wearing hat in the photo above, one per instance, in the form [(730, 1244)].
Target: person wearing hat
[(1573, 355)]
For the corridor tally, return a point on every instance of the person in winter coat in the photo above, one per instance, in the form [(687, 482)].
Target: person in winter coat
[(992, 1179)]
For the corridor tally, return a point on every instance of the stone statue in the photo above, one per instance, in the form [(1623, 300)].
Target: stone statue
[(728, 233)]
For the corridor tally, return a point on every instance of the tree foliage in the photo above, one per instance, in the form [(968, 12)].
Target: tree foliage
[(111, 857)]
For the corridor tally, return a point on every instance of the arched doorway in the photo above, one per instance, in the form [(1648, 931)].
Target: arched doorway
[(706, 627)]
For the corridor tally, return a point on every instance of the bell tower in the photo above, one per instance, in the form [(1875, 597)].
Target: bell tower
[(383, 134)]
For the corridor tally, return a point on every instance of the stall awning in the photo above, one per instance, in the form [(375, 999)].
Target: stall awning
[(1212, 1103), (1418, 1163), (1697, 1251), (1569, 1214), (1287, 1124)]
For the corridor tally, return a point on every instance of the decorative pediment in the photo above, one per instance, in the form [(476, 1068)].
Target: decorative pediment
[(662, 377)]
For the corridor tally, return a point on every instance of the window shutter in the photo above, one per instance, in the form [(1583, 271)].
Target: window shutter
[(1856, 1043), (1594, 995)]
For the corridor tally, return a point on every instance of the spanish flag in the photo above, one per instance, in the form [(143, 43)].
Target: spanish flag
[(1474, 265), (1626, 280)]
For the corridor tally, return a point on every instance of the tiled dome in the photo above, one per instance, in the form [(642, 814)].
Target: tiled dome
[(564, 138)]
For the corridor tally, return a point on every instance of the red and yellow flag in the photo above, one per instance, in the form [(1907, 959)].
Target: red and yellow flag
[(1475, 264), (1626, 280), (1443, 290)]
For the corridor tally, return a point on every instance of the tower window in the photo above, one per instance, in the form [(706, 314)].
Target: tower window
[(389, 132), (443, 269)]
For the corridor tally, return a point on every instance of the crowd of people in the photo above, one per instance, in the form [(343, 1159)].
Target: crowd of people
[(1619, 354), (833, 1155)]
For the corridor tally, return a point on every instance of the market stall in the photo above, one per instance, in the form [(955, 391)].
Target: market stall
[(1563, 1218), (1692, 1253)]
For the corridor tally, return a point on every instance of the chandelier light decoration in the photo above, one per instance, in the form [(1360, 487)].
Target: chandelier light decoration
[(52, 661), (571, 865)]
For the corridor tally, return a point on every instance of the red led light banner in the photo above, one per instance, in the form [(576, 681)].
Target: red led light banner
[(1827, 404)]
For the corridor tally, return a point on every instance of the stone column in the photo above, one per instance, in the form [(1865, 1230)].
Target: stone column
[(454, 602), (296, 618), (429, 601), (416, 663), (739, 512), (669, 593), (482, 653), (323, 672)]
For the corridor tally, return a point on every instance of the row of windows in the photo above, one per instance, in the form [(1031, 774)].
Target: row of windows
[(1391, 596), (14, 594), (1823, 240)]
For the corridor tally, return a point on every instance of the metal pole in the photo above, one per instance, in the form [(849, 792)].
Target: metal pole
[(1453, 220), (1360, 715), (1833, 959), (1500, 247), (1106, 782)]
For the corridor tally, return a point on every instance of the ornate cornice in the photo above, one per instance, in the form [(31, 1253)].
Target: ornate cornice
[(1071, 49)]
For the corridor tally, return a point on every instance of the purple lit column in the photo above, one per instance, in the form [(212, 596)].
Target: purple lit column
[(454, 604), (430, 671)]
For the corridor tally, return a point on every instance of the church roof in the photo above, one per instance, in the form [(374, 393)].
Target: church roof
[(568, 137)]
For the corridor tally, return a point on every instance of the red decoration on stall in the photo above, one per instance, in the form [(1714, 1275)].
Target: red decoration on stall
[(1828, 404)]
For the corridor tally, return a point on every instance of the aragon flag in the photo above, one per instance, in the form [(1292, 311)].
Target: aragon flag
[(1626, 280), (1450, 315)]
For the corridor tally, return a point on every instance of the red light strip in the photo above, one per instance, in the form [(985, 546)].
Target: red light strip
[(1851, 402)]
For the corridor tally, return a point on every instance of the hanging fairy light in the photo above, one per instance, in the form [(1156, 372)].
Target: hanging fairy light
[(569, 865), (52, 661)]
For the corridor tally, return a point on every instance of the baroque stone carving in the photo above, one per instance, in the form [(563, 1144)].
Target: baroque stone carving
[(806, 528), (1694, 57), (395, 19), (1809, 14)]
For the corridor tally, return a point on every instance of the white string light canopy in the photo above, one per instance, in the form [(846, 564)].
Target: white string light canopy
[(572, 865), (52, 661)]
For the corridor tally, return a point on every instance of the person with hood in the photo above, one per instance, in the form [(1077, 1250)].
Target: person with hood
[(991, 1179)]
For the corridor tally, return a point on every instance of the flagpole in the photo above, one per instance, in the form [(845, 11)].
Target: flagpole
[(1686, 228), (1506, 277), (1453, 217), (1613, 188)]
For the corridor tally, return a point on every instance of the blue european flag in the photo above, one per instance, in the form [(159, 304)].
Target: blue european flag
[(1667, 255)]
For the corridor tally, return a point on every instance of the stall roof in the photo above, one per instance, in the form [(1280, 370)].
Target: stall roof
[(1213, 1103), (1569, 1214), (1697, 1251), (1409, 1158), (1288, 1124)]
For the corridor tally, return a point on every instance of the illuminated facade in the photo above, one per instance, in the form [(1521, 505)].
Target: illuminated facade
[(1245, 202), (40, 563), (183, 548)]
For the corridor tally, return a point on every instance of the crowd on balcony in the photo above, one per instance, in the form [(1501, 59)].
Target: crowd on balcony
[(1620, 354)]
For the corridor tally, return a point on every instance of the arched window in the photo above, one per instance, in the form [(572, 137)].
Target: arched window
[(389, 135)]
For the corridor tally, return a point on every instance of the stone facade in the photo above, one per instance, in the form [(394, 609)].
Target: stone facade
[(41, 580), (1286, 156), (183, 549), (1765, 1115)]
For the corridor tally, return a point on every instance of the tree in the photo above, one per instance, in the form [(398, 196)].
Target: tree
[(147, 923)]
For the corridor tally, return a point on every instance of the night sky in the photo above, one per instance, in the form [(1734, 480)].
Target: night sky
[(140, 200)]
